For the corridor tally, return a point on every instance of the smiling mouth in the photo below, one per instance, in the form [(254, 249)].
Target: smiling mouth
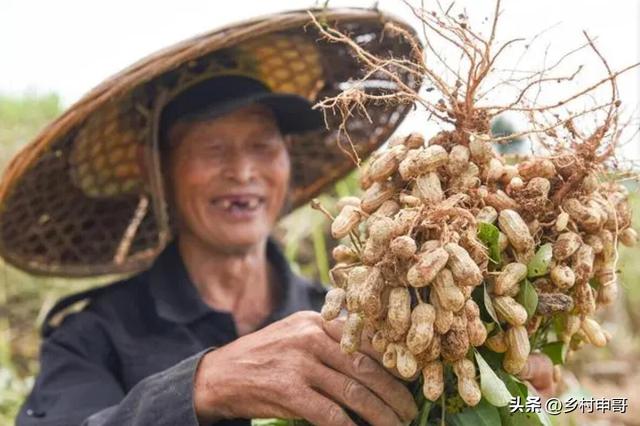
[(239, 203)]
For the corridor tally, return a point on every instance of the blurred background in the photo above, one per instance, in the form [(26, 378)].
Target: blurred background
[(53, 52)]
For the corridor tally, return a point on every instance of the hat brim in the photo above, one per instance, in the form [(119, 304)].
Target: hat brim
[(293, 113), (86, 197)]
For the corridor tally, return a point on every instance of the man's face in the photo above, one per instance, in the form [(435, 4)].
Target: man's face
[(228, 177)]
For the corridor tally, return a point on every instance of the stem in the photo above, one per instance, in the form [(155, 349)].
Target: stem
[(320, 250)]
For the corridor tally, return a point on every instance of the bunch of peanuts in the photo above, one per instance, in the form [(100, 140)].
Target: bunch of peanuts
[(411, 256)]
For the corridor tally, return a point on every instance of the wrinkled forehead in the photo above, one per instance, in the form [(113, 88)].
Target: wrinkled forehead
[(245, 118), (253, 115)]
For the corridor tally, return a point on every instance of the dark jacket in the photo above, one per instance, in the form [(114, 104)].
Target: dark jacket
[(130, 356)]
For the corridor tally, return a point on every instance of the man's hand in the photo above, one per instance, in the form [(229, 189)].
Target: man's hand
[(294, 368), (539, 372)]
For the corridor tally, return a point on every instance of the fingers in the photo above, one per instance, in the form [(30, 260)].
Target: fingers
[(370, 373), (334, 330), (321, 411), (354, 395), (539, 372)]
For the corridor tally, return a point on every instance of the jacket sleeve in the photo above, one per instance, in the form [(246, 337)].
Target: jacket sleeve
[(78, 384)]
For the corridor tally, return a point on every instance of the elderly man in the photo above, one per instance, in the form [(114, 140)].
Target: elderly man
[(219, 329), (214, 291), (222, 288)]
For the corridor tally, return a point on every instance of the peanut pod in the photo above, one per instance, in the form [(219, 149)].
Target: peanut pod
[(487, 214), (390, 356), (383, 166), (516, 230), (582, 263), (518, 349), (433, 380), (404, 247), (352, 333), (566, 245), (333, 303), (399, 309), (377, 194), (497, 342), (429, 188), (465, 271), (421, 330), (458, 159), (509, 278), (550, 303), (455, 342), (426, 268), (586, 218), (406, 363), (370, 298), (563, 277), (594, 332), (500, 201), (509, 310), (449, 295), (344, 254), (348, 218), (338, 275), (422, 160), (355, 281), (379, 341)]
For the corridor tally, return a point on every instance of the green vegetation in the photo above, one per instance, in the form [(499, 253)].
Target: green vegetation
[(22, 298), (25, 299)]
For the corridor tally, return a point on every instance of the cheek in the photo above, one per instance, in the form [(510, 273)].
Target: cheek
[(281, 172), (187, 176)]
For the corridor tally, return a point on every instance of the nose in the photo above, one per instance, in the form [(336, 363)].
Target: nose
[(239, 167)]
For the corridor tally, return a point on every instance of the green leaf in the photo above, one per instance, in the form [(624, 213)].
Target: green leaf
[(490, 234), (489, 307), (490, 326), (555, 351), (539, 265), (514, 384), (543, 417), (518, 418), (494, 359), (528, 298), (483, 414), (491, 386)]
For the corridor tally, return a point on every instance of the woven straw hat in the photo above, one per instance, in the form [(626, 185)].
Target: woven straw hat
[(85, 198)]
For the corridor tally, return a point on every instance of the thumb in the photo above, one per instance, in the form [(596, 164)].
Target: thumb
[(538, 371)]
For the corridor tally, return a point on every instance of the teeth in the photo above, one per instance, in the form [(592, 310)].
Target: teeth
[(248, 203)]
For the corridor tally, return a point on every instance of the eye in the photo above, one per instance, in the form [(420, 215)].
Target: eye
[(264, 144), (212, 145), (267, 141)]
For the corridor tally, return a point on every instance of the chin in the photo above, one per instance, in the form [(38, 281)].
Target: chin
[(240, 241)]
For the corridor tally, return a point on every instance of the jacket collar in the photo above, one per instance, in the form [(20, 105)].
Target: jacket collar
[(177, 300)]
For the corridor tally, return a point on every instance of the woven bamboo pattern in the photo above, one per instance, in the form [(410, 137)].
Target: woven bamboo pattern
[(85, 198)]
